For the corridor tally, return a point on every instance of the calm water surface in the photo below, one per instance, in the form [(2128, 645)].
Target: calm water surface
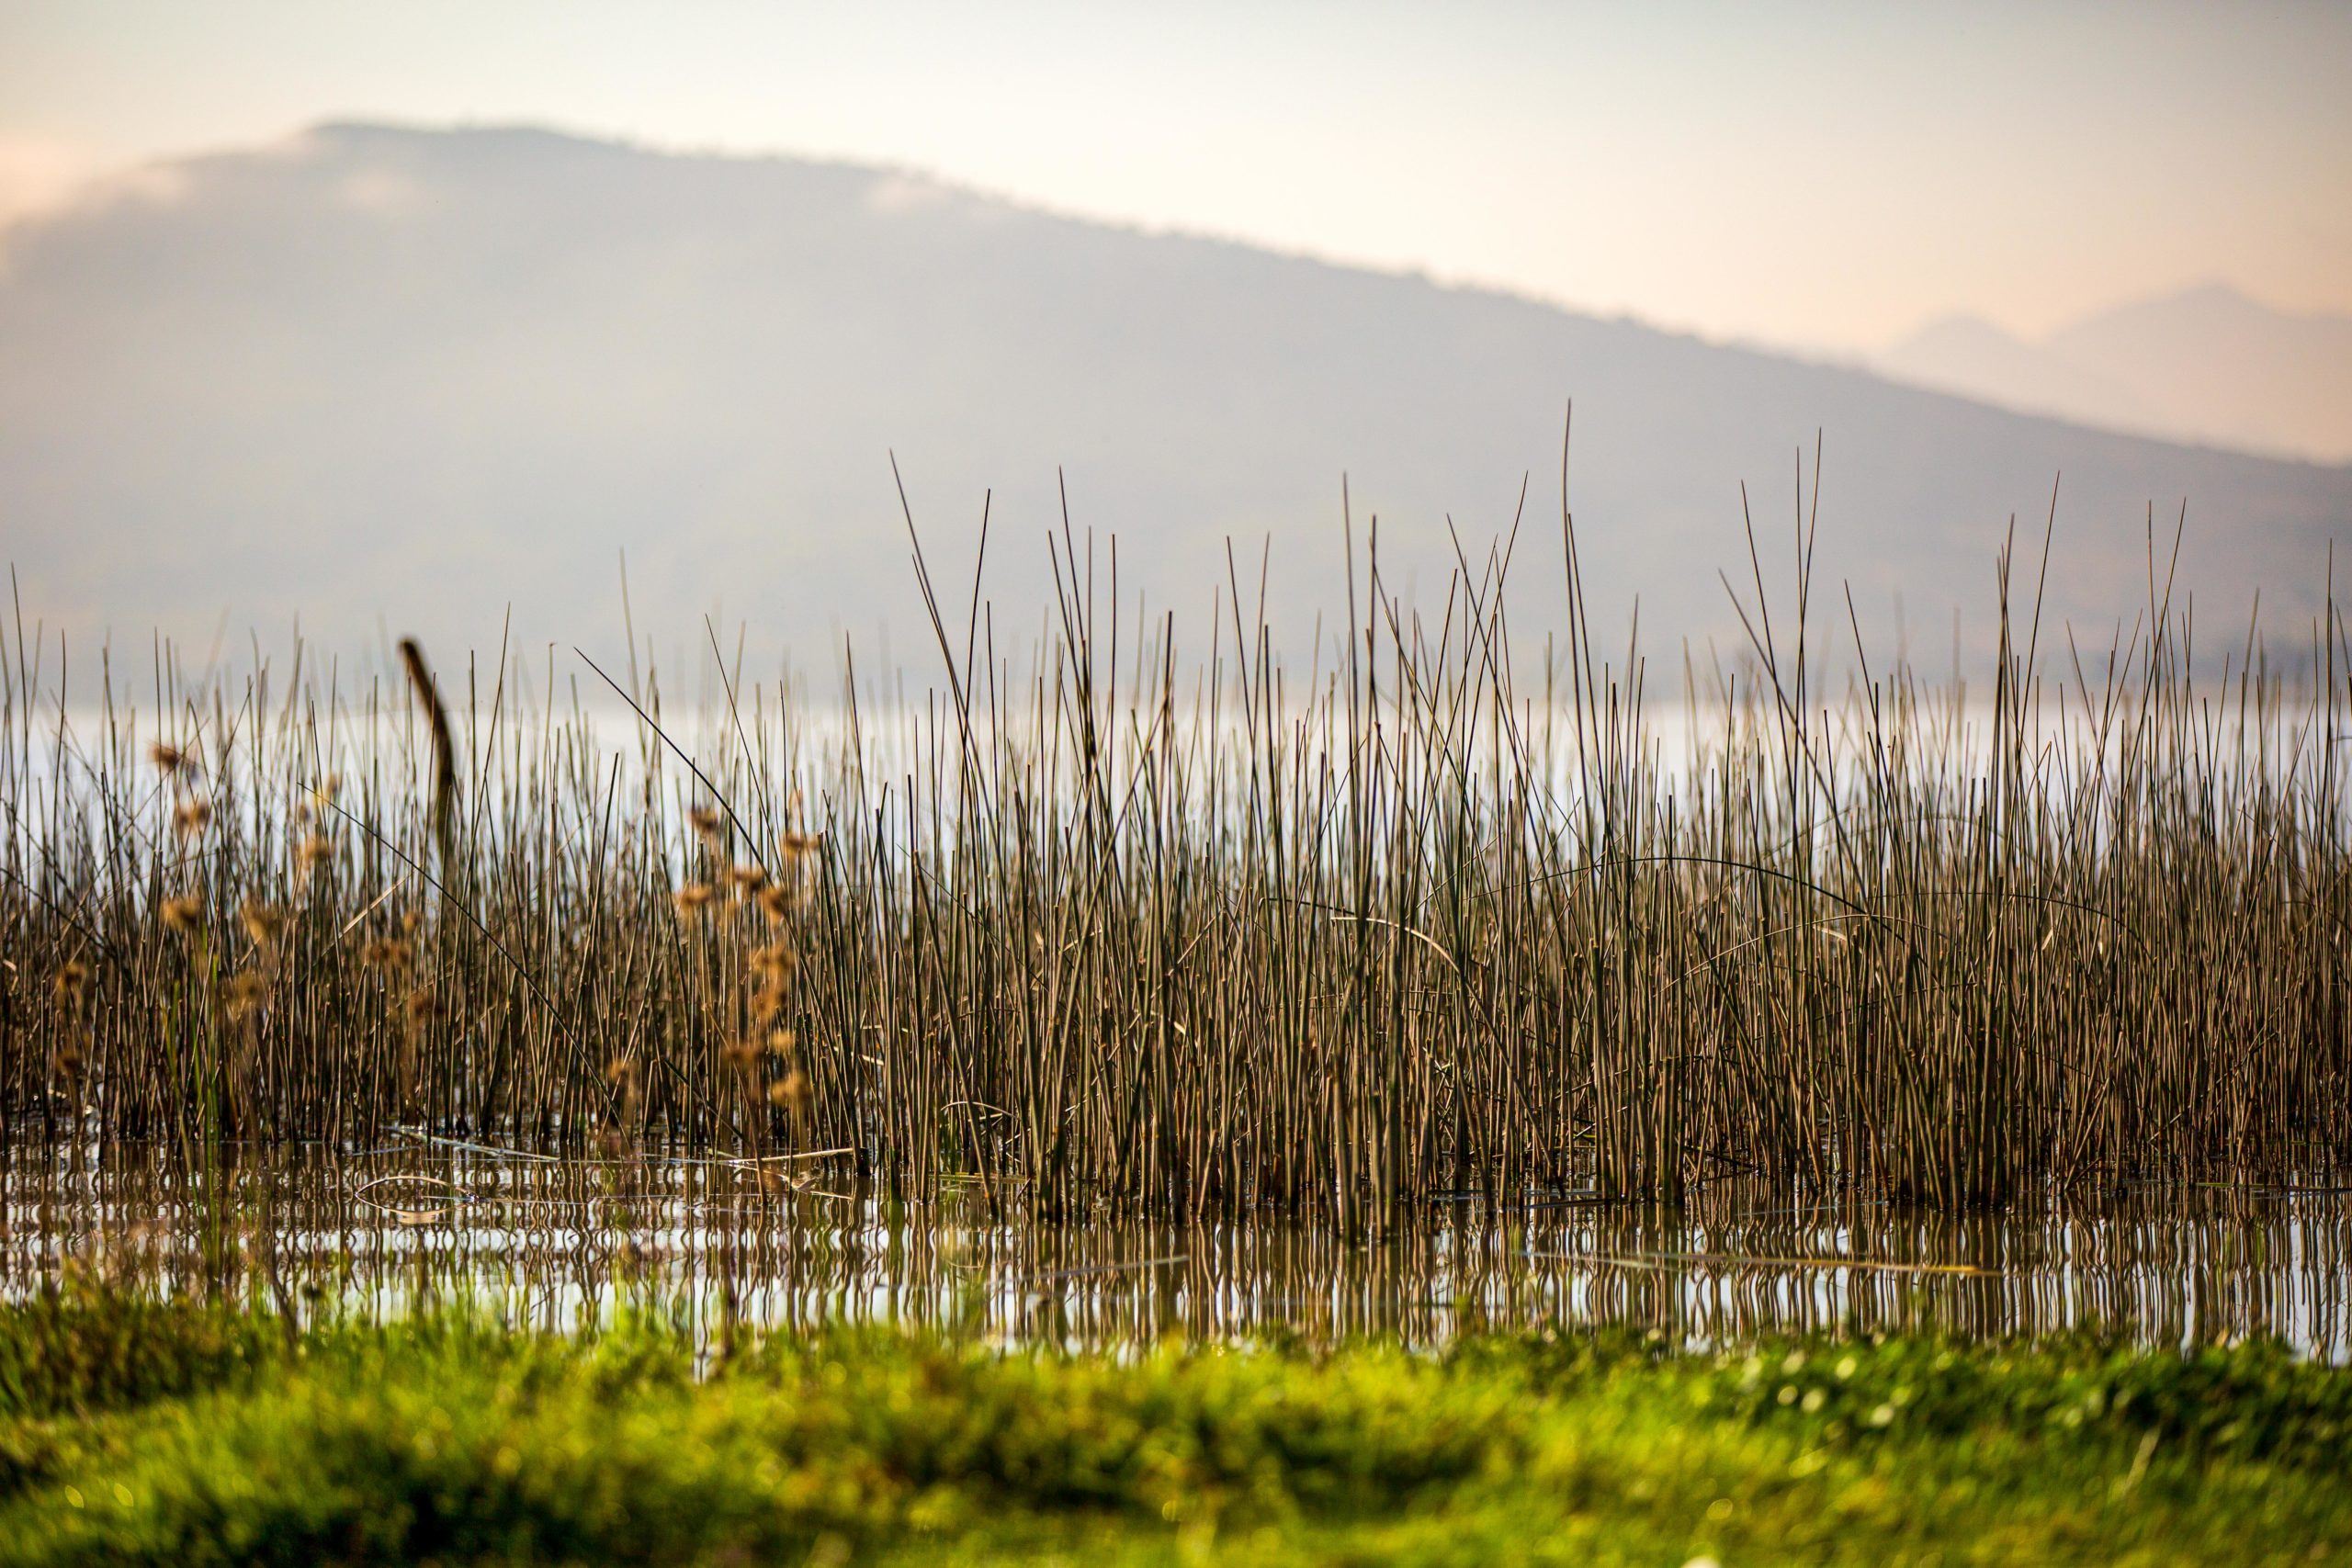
[(413, 1221)]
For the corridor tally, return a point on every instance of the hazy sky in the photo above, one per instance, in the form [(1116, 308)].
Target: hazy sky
[(1822, 173)]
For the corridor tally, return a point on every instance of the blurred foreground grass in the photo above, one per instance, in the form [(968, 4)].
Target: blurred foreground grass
[(138, 1430)]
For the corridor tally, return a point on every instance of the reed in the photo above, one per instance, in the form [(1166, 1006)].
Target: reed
[(1182, 934)]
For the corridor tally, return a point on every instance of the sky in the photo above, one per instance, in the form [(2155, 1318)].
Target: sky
[(1822, 175)]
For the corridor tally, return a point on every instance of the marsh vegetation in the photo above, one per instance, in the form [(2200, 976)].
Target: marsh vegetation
[(1140, 1101), (1192, 935), (137, 1431)]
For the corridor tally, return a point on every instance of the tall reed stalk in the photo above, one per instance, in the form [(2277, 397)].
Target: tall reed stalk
[(1182, 933)]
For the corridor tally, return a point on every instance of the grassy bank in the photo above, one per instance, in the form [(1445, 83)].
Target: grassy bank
[(136, 1432)]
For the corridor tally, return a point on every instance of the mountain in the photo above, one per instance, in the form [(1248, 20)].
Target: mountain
[(1971, 356), (391, 379), (2207, 366)]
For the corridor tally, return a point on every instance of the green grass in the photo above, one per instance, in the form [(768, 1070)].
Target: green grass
[(133, 1431)]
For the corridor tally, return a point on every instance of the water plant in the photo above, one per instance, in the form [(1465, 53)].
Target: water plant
[(1190, 936)]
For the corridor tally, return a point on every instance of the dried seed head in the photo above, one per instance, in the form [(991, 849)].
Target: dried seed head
[(316, 850), (620, 1070), (706, 823), (423, 1005), (769, 999), (798, 847), (777, 902), (246, 991), (783, 1043), (264, 923), (192, 815), (776, 961), (170, 760), (71, 984), (745, 881), (791, 1092), (387, 952), (184, 915), (744, 1054), (694, 897)]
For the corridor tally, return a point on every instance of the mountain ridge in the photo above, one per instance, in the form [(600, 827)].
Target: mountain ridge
[(2206, 365), (426, 374)]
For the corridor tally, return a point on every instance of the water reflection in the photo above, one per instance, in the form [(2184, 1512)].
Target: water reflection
[(415, 1221)]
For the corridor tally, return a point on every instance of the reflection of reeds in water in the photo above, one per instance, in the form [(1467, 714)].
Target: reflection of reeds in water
[(1204, 946), (413, 1221)]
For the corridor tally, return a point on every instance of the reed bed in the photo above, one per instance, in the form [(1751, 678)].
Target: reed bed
[(1177, 932)]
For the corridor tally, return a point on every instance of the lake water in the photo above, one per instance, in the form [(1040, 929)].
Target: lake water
[(415, 1220)]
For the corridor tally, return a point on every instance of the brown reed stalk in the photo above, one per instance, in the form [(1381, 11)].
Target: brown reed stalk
[(445, 756), (1111, 929)]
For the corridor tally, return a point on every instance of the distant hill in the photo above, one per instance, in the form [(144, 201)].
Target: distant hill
[(404, 379), (2208, 366)]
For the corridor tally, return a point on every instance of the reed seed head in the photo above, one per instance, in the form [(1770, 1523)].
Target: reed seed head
[(694, 897), (183, 916), (264, 923), (246, 992), (791, 1093)]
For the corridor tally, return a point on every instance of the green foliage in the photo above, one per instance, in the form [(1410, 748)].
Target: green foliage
[(2253, 1400), (140, 1431), (71, 1349)]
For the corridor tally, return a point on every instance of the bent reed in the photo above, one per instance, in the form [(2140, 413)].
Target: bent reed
[(1203, 943)]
